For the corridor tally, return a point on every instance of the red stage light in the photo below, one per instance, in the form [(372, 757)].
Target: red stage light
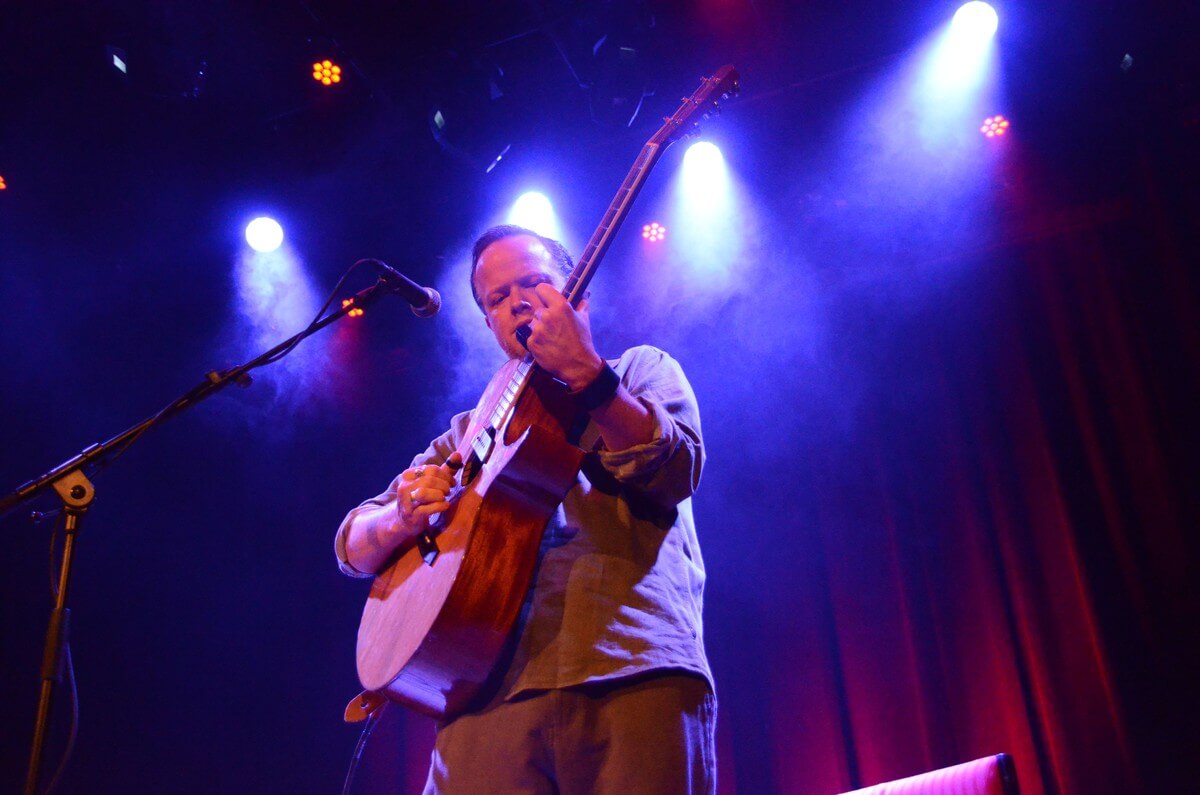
[(654, 232), (355, 312), (994, 125), (327, 72)]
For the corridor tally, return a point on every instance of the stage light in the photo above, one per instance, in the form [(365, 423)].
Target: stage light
[(994, 125), (976, 21), (327, 72), (960, 63), (3, 184), (705, 216), (355, 312), (264, 234), (705, 163), (534, 211), (654, 232), (704, 181)]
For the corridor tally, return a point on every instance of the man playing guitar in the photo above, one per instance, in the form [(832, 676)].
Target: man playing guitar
[(604, 685)]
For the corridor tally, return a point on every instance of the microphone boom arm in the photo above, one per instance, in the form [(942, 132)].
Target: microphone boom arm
[(77, 493), (214, 381)]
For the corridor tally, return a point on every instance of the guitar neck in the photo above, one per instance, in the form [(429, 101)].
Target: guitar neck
[(585, 268), (602, 238), (724, 83)]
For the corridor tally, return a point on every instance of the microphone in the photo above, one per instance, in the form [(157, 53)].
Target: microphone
[(425, 301)]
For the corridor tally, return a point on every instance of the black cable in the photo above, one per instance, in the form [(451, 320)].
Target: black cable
[(53, 560), (320, 313), (73, 732), (356, 757)]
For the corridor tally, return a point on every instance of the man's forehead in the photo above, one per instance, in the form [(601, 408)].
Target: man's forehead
[(515, 253)]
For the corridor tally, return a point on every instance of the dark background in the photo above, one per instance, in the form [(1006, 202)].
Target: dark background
[(950, 507)]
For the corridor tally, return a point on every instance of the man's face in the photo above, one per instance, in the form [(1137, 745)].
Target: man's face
[(505, 278)]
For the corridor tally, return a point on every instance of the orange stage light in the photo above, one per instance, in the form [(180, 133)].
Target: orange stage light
[(993, 126), (327, 72), (654, 232)]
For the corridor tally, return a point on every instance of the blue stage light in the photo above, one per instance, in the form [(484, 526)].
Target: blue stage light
[(960, 61), (704, 181), (704, 215), (975, 20), (533, 210), (264, 234), (705, 165)]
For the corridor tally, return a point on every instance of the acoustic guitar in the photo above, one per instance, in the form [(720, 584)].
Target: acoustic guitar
[(438, 616)]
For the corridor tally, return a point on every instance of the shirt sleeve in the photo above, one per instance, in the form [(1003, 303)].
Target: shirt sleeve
[(667, 468), (437, 452)]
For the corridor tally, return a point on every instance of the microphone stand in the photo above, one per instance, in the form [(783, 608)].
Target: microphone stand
[(77, 493)]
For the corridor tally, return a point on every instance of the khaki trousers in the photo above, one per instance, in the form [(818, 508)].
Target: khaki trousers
[(652, 734)]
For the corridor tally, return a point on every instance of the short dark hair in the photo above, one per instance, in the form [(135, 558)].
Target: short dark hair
[(558, 252)]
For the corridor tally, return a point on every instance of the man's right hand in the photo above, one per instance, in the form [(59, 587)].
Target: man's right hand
[(376, 533), (425, 491)]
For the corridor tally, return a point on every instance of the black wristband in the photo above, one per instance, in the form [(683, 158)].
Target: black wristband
[(601, 390)]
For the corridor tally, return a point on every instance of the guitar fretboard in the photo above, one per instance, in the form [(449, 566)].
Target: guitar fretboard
[(585, 268), (704, 98), (602, 238)]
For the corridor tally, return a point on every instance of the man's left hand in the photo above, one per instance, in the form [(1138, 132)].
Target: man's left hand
[(560, 339)]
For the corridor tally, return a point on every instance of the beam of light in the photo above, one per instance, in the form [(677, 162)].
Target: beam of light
[(948, 85), (706, 224), (534, 211), (910, 170), (275, 299), (264, 234), (960, 61), (275, 294)]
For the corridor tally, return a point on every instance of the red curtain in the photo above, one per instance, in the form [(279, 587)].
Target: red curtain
[(1008, 564)]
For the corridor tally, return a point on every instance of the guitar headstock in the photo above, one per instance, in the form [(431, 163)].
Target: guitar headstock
[(699, 105)]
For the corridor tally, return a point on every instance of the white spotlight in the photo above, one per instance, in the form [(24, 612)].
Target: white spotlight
[(975, 20), (264, 234), (705, 161), (960, 62), (704, 180), (704, 216), (534, 211)]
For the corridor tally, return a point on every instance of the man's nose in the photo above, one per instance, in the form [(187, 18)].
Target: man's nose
[(521, 303)]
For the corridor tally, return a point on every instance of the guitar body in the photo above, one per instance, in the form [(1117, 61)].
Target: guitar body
[(431, 634)]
